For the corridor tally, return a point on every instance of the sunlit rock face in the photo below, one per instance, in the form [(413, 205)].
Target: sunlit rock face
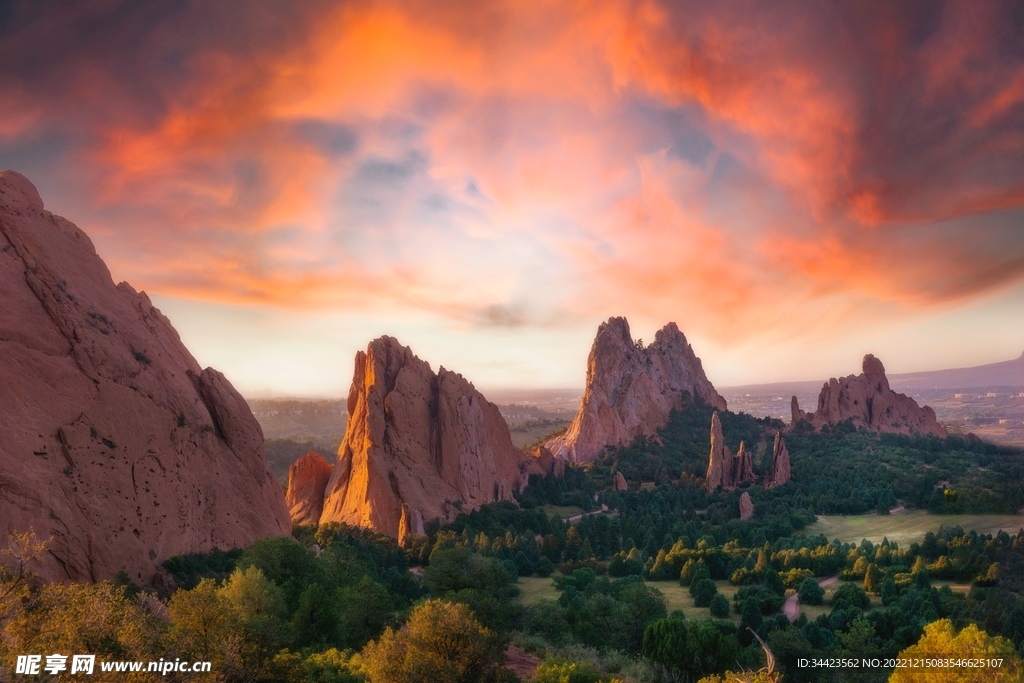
[(867, 400), (418, 446), (115, 444), (631, 390)]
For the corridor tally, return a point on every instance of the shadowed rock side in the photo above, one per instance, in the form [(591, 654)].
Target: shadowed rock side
[(871, 404), (725, 470), (307, 480), (115, 443), (780, 464), (746, 506), (418, 446), (630, 390)]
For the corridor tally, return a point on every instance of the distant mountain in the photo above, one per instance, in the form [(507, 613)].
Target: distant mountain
[(1008, 373)]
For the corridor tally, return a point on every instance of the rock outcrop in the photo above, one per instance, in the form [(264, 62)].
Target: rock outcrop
[(718, 467), (746, 506), (743, 466), (631, 390), (725, 470), (780, 464), (115, 443), (867, 400), (620, 484), (307, 480), (418, 446)]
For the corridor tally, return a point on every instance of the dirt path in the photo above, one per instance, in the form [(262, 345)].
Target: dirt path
[(792, 607), (574, 518), (522, 662)]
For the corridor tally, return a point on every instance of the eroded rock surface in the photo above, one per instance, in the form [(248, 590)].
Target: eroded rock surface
[(631, 390), (620, 484), (746, 506), (418, 446), (115, 442), (867, 400), (307, 480), (780, 464)]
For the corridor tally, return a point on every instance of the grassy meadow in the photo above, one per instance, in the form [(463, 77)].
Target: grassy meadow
[(534, 589), (907, 527)]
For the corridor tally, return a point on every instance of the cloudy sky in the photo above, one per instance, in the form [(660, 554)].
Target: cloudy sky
[(795, 184)]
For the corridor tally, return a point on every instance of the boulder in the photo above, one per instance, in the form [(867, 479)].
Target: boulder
[(116, 444), (631, 390), (620, 483), (746, 506), (417, 446), (307, 479)]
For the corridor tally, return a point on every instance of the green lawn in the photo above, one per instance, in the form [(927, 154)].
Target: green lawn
[(907, 527), (562, 511), (533, 590)]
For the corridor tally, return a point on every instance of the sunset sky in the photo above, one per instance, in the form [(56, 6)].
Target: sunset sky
[(794, 183)]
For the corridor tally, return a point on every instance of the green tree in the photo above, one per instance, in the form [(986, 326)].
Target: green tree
[(703, 592), (719, 606), (810, 592), (693, 649)]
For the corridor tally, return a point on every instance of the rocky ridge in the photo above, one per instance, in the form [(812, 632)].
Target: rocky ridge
[(867, 400), (116, 444), (418, 446), (631, 390)]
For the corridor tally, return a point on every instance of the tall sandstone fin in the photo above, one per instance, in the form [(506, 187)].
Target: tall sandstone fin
[(418, 446), (116, 444), (630, 390)]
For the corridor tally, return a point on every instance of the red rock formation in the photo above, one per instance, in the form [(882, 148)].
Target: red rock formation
[(418, 445), (115, 442), (870, 403), (780, 464), (307, 479), (620, 484), (746, 506), (717, 464), (631, 390), (725, 470), (743, 466)]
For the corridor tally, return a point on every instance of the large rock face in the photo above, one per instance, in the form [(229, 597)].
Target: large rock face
[(113, 441), (307, 480), (631, 390), (871, 404), (418, 446)]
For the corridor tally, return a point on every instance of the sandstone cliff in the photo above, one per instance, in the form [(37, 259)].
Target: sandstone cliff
[(870, 403), (113, 441), (307, 480), (418, 446), (630, 391)]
